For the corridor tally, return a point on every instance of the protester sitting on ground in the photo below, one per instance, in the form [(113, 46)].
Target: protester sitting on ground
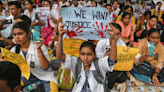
[(116, 78), (128, 28), (115, 7), (15, 10), (143, 18), (76, 4), (128, 2), (94, 4), (12, 42), (54, 15), (157, 11), (31, 12), (86, 83), (10, 76), (149, 62), (36, 55), (145, 27), (143, 10), (127, 9), (112, 15)]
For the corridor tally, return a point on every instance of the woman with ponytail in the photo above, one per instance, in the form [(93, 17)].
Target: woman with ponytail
[(36, 55)]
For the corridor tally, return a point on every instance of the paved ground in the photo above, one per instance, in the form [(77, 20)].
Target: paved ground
[(140, 88)]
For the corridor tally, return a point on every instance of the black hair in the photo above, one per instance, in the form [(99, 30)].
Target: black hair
[(29, 2), (129, 1), (25, 18), (108, 5), (16, 3), (147, 13), (153, 16), (117, 26), (64, 6), (114, 1), (10, 73), (127, 6), (1, 3), (142, 2), (158, 3), (95, 2), (125, 14), (88, 44), (25, 27), (152, 30), (47, 1)]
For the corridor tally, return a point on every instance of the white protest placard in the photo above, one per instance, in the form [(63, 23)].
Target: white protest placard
[(43, 12), (86, 23)]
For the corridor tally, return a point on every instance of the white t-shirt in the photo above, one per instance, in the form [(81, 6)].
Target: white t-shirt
[(37, 71), (32, 16), (61, 4), (86, 4), (117, 11), (103, 44), (54, 6), (70, 63)]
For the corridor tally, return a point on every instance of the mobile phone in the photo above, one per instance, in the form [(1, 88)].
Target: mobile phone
[(151, 48), (156, 56), (36, 16), (108, 49), (6, 22), (35, 33), (156, 8)]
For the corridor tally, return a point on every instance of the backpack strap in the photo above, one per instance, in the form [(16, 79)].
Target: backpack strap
[(98, 76), (78, 70)]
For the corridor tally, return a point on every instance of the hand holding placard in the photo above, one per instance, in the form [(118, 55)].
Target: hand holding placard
[(18, 60)]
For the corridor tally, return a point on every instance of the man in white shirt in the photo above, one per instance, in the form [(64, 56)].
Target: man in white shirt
[(116, 9), (15, 9), (76, 4), (103, 49), (62, 3)]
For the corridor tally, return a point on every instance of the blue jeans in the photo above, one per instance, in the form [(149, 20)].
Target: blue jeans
[(33, 79)]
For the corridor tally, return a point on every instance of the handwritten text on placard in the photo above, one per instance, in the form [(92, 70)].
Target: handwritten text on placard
[(125, 57), (86, 23), (43, 12), (18, 60)]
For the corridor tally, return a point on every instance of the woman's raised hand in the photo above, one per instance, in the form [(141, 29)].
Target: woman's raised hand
[(62, 31), (39, 43), (112, 32)]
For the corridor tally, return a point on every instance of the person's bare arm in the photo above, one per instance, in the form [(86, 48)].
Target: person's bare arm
[(59, 49)]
